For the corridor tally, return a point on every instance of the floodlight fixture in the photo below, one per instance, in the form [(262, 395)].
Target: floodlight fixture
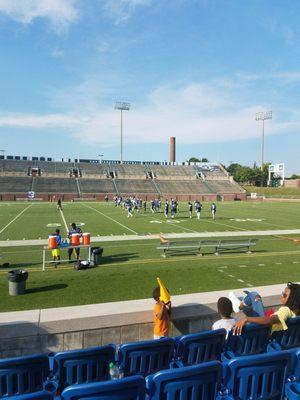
[(262, 116), (122, 106)]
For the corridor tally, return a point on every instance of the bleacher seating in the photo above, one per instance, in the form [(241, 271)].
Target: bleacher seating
[(147, 357), (173, 170), (15, 184), (224, 187), (288, 339), (177, 187), (15, 166), (84, 374), (97, 186), (82, 366), (55, 185), (128, 169), (253, 340), (199, 347), (257, 377), (198, 382), (93, 168), (141, 178), (23, 375), (135, 186), (131, 388)]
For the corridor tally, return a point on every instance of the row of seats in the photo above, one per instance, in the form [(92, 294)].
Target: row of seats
[(57, 372), (262, 377)]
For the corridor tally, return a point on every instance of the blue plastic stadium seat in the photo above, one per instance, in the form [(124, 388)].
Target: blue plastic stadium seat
[(43, 395), (288, 339), (199, 347), (131, 388), (293, 385), (197, 382), (260, 377), (253, 340), (82, 366), (147, 357), (23, 375)]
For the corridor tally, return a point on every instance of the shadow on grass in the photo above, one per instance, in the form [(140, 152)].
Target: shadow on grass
[(48, 288), (18, 265), (118, 258)]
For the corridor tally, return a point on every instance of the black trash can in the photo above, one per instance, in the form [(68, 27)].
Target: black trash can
[(96, 255), (17, 281)]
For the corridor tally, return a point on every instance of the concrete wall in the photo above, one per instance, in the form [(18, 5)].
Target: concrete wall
[(44, 331), (294, 183)]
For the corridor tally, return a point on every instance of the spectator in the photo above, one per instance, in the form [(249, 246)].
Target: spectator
[(290, 300), (162, 314), (225, 310), (74, 229), (56, 252)]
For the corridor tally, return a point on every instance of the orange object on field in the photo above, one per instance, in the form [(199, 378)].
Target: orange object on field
[(75, 239), (52, 242), (86, 238)]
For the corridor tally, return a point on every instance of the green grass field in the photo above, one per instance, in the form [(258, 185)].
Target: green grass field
[(129, 267)]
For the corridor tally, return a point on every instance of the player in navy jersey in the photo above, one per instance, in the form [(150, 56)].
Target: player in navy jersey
[(190, 205), (74, 229), (166, 208), (213, 210), (198, 208)]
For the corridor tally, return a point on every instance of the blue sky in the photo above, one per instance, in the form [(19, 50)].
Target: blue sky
[(195, 69)]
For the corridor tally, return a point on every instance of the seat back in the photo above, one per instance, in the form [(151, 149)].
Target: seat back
[(295, 356), (291, 337), (147, 357), (200, 347), (197, 382), (131, 388), (23, 375), (83, 366), (44, 395), (253, 340), (258, 377)]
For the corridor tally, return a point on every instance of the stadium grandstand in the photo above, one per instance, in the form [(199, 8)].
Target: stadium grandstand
[(93, 179)]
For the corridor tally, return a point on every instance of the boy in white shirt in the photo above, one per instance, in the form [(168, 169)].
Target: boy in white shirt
[(225, 310)]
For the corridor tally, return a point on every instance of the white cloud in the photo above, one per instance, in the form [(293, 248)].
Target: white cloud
[(60, 13), (195, 113), (121, 10)]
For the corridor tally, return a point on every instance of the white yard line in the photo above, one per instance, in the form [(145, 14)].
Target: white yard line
[(220, 223), (112, 219), (16, 217), (63, 218)]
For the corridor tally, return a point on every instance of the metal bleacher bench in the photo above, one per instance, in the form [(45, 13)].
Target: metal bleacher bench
[(219, 245)]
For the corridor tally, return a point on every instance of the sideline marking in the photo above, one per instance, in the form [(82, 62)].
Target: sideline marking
[(156, 261), (106, 216), (63, 217), (6, 226)]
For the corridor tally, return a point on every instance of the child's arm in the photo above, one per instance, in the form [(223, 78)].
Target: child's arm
[(165, 310)]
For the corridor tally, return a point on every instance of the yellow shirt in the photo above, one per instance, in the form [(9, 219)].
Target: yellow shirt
[(283, 314)]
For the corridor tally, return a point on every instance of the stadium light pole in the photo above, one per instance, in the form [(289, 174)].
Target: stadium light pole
[(122, 106), (262, 116), (100, 157)]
